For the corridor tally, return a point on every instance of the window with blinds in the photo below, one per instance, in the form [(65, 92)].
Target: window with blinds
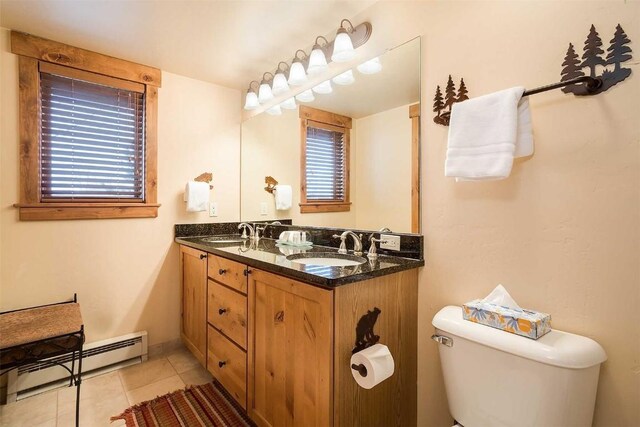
[(92, 141), (325, 170)]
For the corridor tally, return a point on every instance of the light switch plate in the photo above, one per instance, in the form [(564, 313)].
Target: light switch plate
[(263, 208), (392, 242), (213, 209)]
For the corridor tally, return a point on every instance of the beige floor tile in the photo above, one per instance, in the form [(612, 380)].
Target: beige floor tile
[(32, 411), (101, 397), (102, 387), (50, 423), (196, 376), (155, 389), (182, 360), (137, 376), (95, 412)]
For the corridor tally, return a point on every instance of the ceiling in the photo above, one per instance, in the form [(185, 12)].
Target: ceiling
[(225, 42)]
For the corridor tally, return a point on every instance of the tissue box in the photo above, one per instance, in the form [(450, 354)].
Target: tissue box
[(530, 324)]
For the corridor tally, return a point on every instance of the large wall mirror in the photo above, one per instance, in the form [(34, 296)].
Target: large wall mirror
[(350, 156)]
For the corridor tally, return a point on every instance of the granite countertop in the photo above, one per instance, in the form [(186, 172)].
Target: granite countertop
[(268, 256)]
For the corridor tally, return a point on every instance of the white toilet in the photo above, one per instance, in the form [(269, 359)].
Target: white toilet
[(497, 379)]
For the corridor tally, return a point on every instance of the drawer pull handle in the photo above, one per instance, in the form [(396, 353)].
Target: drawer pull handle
[(222, 311), (221, 364), (203, 256), (222, 271)]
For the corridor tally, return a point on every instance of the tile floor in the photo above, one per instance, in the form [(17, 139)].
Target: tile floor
[(106, 395)]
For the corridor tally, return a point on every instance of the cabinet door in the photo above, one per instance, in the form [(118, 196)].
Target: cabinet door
[(194, 301), (290, 352)]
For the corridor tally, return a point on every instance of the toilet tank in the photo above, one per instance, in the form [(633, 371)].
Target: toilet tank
[(498, 379)]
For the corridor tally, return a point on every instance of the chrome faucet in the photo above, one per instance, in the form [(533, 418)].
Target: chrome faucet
[(357, 242), (373, 254), (244, 226)]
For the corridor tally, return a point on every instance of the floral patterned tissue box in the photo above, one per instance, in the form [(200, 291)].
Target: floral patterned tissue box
[(530, 324)]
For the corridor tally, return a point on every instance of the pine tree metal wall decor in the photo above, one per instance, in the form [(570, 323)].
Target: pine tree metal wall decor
[(442, 106), (593, 60)]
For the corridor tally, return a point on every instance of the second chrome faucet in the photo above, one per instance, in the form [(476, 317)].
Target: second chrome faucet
[(357, 242)]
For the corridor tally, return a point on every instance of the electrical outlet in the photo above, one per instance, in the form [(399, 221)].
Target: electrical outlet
[(213, 209), (263, 208), (392, 242)]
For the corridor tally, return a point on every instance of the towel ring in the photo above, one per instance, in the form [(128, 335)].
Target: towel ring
[(271, 184)]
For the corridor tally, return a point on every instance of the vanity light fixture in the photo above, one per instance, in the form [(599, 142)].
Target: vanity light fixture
[(306, 96), (371, 66), (251, 100), (317, 60), (280, 84), (264, 93), (297, 75), (275, 110), (344, 79), (323, 88), (343, 50), (289, 104)]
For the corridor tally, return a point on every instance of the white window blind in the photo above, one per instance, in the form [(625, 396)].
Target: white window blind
[(325, 165), (92, 141)]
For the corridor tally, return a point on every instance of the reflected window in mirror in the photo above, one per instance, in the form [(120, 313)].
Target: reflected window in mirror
[(325, 138)]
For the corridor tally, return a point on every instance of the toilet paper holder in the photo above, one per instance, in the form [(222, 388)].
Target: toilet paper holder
[(361, 369)]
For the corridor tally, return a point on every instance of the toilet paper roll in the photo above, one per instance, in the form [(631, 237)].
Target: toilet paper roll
[(378, 365)]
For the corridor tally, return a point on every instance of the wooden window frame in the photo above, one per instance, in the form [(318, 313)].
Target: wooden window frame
[(310, 115), (414, 115), (33, 51)]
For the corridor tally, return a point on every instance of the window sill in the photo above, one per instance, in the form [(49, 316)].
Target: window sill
[(322, 207), (61, 211)]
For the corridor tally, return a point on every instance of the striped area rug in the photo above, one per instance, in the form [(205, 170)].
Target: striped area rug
[(202, 405)]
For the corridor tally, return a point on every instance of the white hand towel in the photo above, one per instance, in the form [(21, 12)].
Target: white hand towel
[(284, 195), (486, 133), (196, 195)]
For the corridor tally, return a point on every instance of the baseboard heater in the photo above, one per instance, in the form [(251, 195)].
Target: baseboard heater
[(98, 357)]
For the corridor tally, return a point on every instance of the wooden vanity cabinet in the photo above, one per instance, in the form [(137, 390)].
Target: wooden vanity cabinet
[(290, 352), (282, 347), (193, 329)]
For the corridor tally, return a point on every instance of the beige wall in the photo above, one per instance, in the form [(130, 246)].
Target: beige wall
[(383, 172), (124, 271), (562, 233)]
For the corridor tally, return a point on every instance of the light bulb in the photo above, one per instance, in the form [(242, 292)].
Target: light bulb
[(289, 104), (280, 84), (371, 66), (317, 61), (323, 88), (344, 79), (342, 47), (274, 111), (264, 93), (297, 75), (251, 101), (306, 96)]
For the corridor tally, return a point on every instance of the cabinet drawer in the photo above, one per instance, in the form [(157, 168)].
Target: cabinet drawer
[(228, 364), (228, 272), (228, 312)]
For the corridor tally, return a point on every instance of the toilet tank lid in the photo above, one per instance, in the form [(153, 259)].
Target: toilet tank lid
[(556, 348)]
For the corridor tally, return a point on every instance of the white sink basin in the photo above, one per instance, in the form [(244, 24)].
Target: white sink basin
[(327, 259)]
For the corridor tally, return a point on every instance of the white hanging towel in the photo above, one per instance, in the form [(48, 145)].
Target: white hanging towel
[(486, 133), (196, 194), (284, 195)]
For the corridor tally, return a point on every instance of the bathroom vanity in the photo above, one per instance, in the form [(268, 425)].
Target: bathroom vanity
[(279, 335)]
